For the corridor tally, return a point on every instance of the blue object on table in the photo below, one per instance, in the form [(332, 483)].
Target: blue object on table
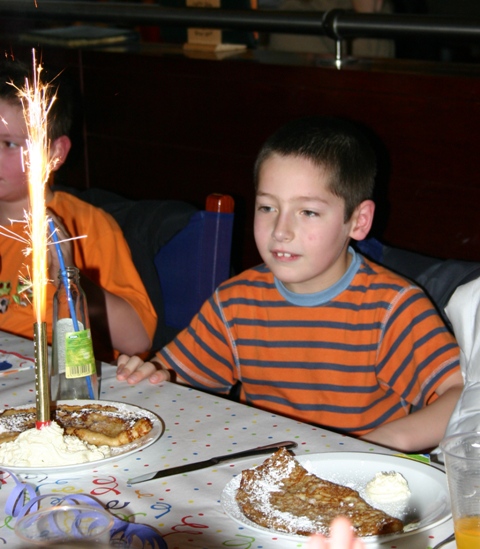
[(193, 263)]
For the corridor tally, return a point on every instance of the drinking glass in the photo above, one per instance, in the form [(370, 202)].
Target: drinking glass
[(65, 523), (462, 463)]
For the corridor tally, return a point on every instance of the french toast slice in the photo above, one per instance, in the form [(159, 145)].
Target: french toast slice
[(96, 424), (282, 495)]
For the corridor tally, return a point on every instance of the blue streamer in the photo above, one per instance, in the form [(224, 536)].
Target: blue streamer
[(124, 531), (71, 304)]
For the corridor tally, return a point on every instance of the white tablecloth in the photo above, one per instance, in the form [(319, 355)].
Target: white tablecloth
[(186, 508)]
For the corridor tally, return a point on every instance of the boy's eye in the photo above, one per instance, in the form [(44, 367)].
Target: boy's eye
[(265, 209), (9, 145), (309, 213)]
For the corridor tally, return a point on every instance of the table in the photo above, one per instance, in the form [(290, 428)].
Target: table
[(186, 508)]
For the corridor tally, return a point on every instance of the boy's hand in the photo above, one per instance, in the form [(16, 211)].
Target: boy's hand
[(133, 369), (65, 245)]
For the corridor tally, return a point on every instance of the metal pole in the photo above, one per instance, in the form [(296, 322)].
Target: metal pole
[(337, 24)]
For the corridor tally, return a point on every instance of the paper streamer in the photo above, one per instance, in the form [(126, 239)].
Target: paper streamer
[(121, 531)]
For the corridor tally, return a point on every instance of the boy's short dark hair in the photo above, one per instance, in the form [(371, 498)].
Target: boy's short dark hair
[(13, 76), (336, 145)]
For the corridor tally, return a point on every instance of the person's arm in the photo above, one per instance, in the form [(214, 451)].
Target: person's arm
[(425, 428), (207, 342), (113, 321), (112, 318)]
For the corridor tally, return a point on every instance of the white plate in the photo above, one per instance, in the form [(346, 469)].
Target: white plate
[(428, 505), (116, 453)]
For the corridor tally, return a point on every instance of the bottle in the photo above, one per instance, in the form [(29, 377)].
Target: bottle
[(73, 365)]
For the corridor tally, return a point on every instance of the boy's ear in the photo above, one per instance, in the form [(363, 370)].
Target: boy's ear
[(362, 220), (59, 151)]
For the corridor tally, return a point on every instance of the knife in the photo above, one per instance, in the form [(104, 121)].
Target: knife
[(212, 461)]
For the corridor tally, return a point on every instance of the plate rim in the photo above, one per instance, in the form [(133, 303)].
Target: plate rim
[(331, 455), (158, 422)]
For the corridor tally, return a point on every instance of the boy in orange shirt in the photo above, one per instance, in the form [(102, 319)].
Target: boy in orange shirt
[(318, 332), (121, 315)]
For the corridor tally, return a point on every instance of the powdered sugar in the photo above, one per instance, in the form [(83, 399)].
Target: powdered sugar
[(271, 482), (281, 494), (15, 422), (23, 418)]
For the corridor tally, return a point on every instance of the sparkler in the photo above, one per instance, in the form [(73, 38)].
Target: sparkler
[(36, 105), (37, 101)]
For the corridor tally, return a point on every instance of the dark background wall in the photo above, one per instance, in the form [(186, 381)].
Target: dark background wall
[(160, 124)]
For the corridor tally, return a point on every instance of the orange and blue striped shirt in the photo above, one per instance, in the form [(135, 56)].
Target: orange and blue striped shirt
[(364, 352)]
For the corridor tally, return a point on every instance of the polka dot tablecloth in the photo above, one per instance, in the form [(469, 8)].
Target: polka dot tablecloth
[(185, 509)]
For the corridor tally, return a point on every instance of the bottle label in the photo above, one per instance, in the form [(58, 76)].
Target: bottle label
[(79, 358), (62, 328)]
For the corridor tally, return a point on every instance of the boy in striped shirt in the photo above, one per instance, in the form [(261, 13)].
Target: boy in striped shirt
[(318, 332)]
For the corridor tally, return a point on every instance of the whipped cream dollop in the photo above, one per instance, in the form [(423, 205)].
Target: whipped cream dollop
[(48, 447), (388, 487)]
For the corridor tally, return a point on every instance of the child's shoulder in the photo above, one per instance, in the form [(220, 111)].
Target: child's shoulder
[(71, 206), (377, 287), (65, 197), (379, 283)]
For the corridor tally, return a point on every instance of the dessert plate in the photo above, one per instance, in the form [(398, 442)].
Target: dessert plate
[(116, 453), (428, 505)]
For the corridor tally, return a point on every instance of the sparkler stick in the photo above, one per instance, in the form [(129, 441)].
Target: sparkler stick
[(42, 388)]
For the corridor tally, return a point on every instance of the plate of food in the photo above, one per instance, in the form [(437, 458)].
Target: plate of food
[(83, 434), (385, 496)]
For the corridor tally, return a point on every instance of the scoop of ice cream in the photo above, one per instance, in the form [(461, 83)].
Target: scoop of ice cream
[(48, 447), (387, 487)]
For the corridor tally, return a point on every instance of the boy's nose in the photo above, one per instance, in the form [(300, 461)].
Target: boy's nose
[(283, 231)]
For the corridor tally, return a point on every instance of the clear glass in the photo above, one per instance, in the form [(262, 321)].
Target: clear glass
[(462, 464), (66, 523), (73, 363)]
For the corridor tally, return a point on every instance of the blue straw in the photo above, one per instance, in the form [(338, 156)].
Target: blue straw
[(63, 273), (71, 304)]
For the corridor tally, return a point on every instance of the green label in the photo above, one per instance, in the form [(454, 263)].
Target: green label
[(79, 359)]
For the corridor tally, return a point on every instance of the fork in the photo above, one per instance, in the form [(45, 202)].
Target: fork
[(445, 541)]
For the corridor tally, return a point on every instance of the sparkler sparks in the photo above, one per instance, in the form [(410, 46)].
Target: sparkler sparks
[(37, 102), (36, 106), (36, 99)]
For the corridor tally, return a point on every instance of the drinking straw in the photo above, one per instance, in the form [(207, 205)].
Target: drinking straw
[(71, 304), (63, 273)]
